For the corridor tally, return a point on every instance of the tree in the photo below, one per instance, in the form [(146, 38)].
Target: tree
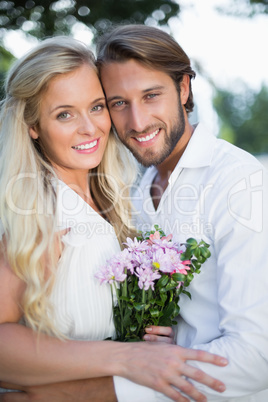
[(244, 118), (5, 59), (246, 8), (43, 18)]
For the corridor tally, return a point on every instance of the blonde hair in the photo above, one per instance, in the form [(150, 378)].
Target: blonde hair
[(27, 197)]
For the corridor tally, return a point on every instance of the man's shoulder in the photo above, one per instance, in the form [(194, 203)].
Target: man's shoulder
[(222, 150), (232, 156)]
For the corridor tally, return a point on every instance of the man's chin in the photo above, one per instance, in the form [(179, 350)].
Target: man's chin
[(148, 162), (148, 158)]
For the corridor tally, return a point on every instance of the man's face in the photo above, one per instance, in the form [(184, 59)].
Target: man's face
[(145, 109)]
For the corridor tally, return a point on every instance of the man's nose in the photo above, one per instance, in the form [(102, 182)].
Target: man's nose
[(138, 118)]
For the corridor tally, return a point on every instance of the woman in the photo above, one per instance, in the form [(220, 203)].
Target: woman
[(64, 210)]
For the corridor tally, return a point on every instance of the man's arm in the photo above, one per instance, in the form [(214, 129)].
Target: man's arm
[(239, 217), (102, 389)]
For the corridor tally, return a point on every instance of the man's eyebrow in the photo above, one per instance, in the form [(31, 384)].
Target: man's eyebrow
[(154, 88), (144, 91), (113, 98)]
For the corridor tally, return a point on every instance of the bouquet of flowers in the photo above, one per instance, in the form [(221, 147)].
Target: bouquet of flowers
[(147, 278)]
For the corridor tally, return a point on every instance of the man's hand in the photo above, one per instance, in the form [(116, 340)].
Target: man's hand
[(94, 389), (167, 369), (159, 334)]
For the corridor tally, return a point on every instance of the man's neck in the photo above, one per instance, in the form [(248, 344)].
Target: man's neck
[(165, 169)]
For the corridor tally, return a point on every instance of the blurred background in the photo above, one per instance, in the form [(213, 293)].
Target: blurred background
[(225, 39)]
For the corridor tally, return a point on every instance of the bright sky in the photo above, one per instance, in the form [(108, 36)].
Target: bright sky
[(228, 48)]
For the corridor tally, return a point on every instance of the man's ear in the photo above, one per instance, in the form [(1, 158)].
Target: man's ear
[(33, 133), (184, 88)]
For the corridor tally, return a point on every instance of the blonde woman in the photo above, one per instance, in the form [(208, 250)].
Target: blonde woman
[(64, 210)]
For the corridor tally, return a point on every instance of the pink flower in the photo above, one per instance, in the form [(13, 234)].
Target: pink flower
[(154, 236), (184, 267), (161, 261), (111, 273), (136, 245), (146, 277), (125, 260)]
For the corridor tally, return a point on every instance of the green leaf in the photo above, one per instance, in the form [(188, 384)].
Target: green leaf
[(187, 293), (177, 309), (196, 264), (126, 319), (154, 312), (138, 317), (139, 306), (163, 297), (162, 281), (186, 255), (178, 277), (205, 252), (197, 252), (202, 243), (160, 303), (168, 311), (191, 242), (127, 299), (171, 285)]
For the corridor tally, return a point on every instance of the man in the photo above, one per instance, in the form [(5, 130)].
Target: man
[(198, 186)]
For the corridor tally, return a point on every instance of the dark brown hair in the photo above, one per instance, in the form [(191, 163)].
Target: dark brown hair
[(151, 47)]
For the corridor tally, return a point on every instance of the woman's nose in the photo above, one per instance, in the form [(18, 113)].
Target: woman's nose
[(86, 126)]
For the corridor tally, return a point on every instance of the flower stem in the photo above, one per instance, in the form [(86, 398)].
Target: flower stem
[(120, 309), (143, 300)]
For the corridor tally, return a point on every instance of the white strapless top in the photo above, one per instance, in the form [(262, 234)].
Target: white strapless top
[(83, 307)]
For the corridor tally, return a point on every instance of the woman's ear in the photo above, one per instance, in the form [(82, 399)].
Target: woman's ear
[(33, 133), (184, 88)]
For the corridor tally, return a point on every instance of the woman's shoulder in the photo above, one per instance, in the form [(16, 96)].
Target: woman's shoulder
[(83, 223)]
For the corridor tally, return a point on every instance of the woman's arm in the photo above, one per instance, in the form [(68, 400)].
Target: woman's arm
[(31, 359)]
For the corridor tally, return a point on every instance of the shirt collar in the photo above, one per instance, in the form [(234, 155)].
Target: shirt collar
[(200, 149)]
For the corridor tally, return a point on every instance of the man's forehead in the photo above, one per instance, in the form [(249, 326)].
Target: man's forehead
[(132, 74)]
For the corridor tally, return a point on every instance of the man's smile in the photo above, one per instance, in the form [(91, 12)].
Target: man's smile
[(148, 137)]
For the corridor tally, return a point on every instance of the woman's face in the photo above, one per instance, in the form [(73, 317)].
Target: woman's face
[(74, 122)]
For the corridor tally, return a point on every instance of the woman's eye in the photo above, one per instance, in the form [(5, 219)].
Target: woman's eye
[(63, 115), (97, 108)]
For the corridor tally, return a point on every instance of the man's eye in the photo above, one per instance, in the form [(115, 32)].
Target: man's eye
[(150, 96), (119, 103)]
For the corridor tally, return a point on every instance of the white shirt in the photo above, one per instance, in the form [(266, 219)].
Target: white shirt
[(217, 193)]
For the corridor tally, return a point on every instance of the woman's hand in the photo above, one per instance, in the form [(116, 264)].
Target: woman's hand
[(159, 334)]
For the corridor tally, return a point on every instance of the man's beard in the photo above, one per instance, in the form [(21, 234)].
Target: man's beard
[(149, 158)]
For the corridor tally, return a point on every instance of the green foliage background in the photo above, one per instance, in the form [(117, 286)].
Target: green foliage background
[(243, 116)]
